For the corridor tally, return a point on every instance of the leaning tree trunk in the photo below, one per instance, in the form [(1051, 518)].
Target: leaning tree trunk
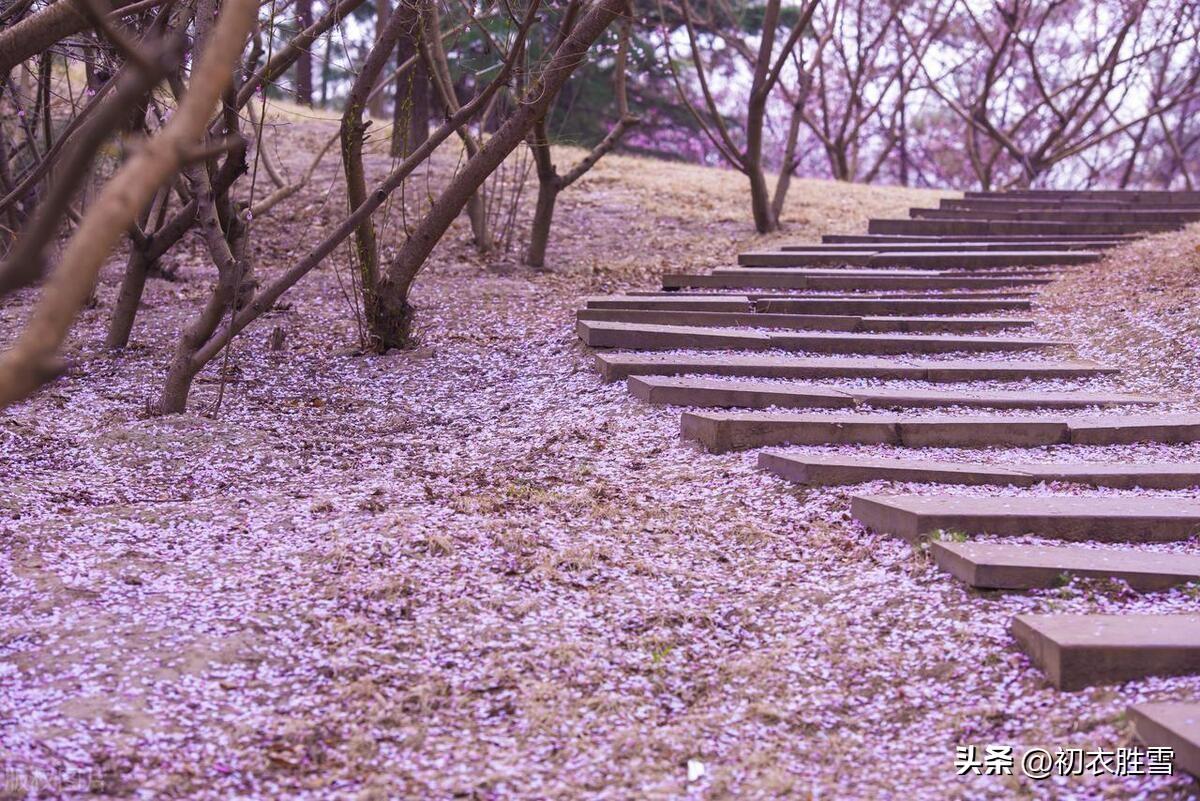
[(181, 372), (33, 358), (784, 182)]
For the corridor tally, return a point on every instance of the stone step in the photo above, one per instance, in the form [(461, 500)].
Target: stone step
[(890, 306), (1131, 216), (708, 303), (632, 336), (780, 279), (948, 324), (731, 393), (1065, 517), (848, 271), (1095, 240), (966, 246), (1179, 215), (962, 258), (619, 366), (1163, 196), (805, 322), (767, 294), (985, 260), (1007, 204), (836, 470), (725, 431), (1084, 200), (1006, 566), (814, 256), (977, 227), (1172, 725), (1078, 651)]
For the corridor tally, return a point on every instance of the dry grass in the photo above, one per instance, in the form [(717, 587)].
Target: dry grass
[(695, 217), (1137, 309), (665, 215)]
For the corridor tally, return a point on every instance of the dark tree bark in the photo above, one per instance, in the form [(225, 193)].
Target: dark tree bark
[(410, 111), (438, 66), (353, 132), (304, 64), (383, 14)]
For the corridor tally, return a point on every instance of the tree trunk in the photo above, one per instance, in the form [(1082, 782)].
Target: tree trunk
[(366, 247), (137, 269), (391, 329), (383, 15), (760, 198), (304, 64), (543, 216), (786, 169), (230, 282), (129, 298), (434, 56), (410, 111), (326, 59)]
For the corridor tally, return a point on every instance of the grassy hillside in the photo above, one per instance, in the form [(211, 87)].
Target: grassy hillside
[(628, 219)]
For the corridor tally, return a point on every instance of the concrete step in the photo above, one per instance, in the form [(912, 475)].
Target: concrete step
[(1131, 215), (1005, 566), (978, 227), (618, 366), (731, 393), (1126, 215), (1065, 517), (777, 294), (1094, 240), (960, 258), (992, 259), (1079, 651), (890, 306), (709, 303), (805, 322), (804, 257), (1154, 196), (847, 271), (836, 470), (725, 431), (633, 336), (882, 323), (1008, 204), (780, 279), (965, 246), (1171, 725)]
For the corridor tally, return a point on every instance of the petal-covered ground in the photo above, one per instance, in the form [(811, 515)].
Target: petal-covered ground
[(472, 570)]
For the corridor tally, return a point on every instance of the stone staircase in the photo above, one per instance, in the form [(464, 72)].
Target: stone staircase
[(918, 300)]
